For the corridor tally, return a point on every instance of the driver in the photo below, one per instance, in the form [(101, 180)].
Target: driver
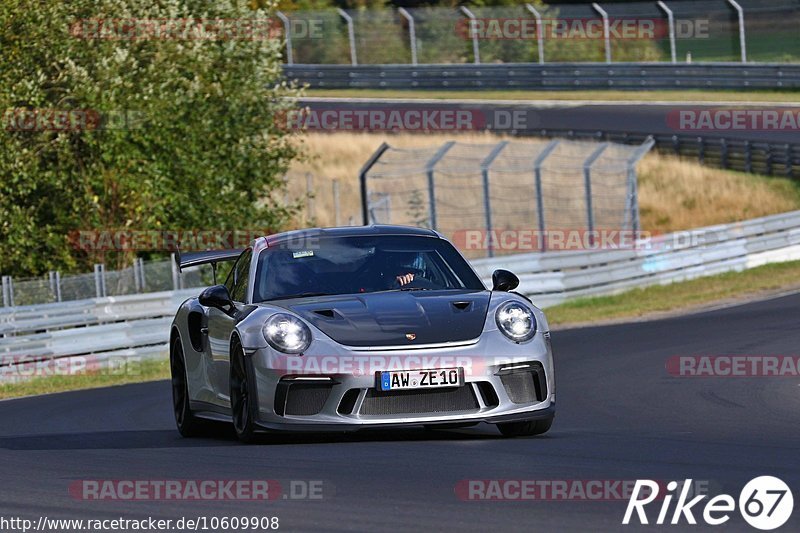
[(409, 264)]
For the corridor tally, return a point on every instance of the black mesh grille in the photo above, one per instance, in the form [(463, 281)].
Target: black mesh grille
[(525, 386), (301, 399), (419, 401)]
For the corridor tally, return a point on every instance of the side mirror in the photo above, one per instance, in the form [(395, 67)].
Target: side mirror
[(503, 280), (217, 296)]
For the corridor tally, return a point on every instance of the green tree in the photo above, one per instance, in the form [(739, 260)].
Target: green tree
[(190, 135)]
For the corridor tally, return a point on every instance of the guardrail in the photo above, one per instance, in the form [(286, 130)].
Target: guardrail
[(550, 76), (104, 329), (553, 277)]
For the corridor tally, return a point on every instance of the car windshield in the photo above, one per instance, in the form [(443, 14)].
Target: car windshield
[(361, 264)]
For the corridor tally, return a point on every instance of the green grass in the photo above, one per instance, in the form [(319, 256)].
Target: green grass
[(147, 370), (661, 95), (677, 296)]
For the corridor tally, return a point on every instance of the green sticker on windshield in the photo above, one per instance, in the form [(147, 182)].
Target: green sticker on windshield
[(304, 253)]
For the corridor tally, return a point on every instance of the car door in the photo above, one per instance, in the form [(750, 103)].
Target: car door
[(221, 325)]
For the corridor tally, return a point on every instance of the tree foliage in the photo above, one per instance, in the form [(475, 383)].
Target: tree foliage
[(189, 136)]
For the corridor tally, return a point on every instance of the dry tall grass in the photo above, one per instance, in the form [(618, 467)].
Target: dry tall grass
[(674, 193)]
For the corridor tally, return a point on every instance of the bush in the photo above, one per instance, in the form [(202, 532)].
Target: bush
[(187, 136)]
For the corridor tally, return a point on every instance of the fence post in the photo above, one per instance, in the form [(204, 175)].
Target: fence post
[(633, 186), (537, 172), (606, 30), (176, 275), (429, 170), (671, 25), (8, 291), (136, 278), (723, 156), (539, 31), (487, 204), (473, 30), (742, 40), (287, 27), (748, 157), (362, 179), (336, 217), (412, 33), (100, 280), (587, 183), (351, 34), (142, 280), (55, 284)]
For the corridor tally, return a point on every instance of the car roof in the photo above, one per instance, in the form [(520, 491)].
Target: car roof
[(349, 231)]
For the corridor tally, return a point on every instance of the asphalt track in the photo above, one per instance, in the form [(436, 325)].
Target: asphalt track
[(620, 416), (642, 118)]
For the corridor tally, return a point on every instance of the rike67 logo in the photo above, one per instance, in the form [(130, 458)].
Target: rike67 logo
[(765, 503)]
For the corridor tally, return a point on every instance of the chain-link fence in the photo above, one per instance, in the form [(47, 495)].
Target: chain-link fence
[(476, 193), (659, 31), (141, 277)]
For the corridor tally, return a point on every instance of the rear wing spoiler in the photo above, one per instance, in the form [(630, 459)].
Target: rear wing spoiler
[(211, 257)]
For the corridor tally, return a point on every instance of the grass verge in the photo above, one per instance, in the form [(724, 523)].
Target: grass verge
[(677, 96), (148, 370), (730, 287)]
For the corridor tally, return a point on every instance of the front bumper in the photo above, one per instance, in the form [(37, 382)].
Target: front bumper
[(334, 388)]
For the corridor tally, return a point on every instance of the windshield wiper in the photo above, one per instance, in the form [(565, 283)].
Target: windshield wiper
[(301, 295)]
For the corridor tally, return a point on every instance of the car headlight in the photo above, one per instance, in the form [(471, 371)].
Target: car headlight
[(516, 321), (286, 333)]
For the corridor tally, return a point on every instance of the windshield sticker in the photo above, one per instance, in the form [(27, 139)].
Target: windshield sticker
[(304, 253)]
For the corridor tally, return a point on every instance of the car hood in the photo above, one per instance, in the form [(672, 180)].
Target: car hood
[(396, 318)]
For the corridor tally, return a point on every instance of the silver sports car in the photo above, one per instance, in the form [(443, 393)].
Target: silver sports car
[(348, 328)]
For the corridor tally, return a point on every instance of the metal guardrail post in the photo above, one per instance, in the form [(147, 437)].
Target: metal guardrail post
[(136, 277), (412, 33), (55, 284), (362, 179), (748, 157), (742, 39), (473, 30), (487, 204), (176, 275), (788, 167), (671, 25), (287, 27), (701, 150), (537, 172), (8, 291), (142, 281), (606, 30), (723, 155), (100, 280), (430, 172), (351, 34), (539, 31), (587, 183)]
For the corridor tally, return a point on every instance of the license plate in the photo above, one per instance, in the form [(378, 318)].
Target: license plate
[(420, 379)]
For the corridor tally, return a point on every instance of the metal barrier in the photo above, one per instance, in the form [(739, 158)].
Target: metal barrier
[(553, 76)]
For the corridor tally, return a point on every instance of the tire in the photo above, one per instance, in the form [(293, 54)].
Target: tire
[(244, 402), (188, 425), (525, 429)]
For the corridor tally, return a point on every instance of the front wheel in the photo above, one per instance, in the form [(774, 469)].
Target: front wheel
[(526, 428), (243, 395), (188, 424)]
